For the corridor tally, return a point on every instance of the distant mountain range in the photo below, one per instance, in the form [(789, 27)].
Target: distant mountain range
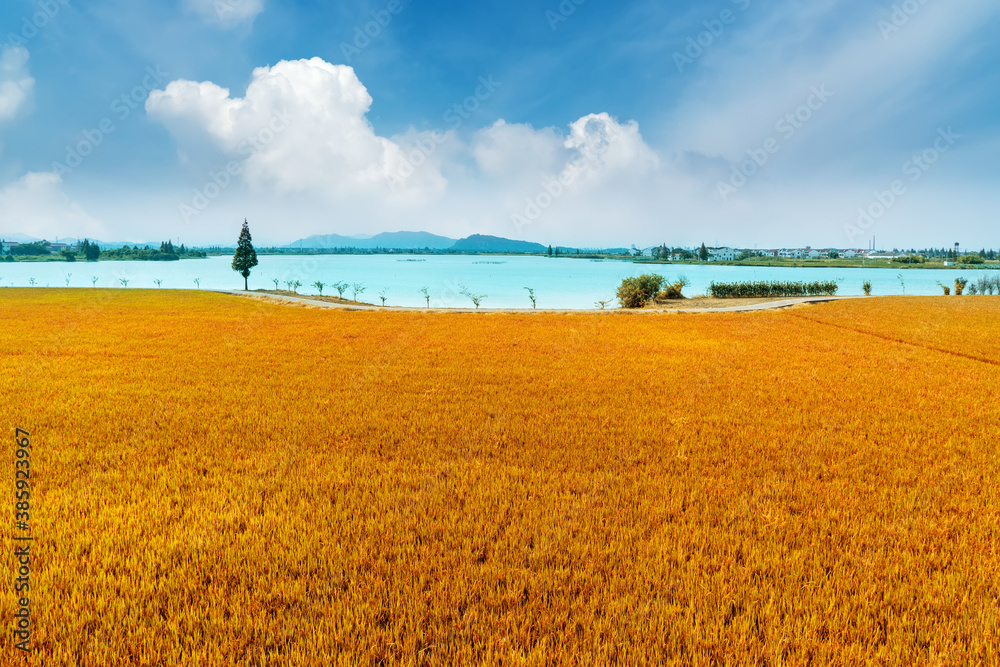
[(482, 243), (386, 241), (394, 240), (20, 238), (24, 238), (418, 241)]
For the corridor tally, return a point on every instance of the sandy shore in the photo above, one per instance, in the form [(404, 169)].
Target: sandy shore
[(693, 305), (707, 302)]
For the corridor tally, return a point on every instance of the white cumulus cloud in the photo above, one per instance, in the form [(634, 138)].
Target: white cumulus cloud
[(596, 148), (513, 151), (610, 147), (16, 84), (301, 127), (226, 13), (588, 179), (301, 134)]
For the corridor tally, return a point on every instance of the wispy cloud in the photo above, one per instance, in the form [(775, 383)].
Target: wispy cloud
[(36, 204), (226, 13), (16, 84), (747, 84)]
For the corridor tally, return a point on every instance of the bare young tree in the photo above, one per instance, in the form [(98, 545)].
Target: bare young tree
[(341, 287), (356, 289), (382, 294), (531, 295), (319, 285), (475, 298), (427, 295)]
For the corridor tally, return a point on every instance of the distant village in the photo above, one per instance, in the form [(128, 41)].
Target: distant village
[(728, 254)]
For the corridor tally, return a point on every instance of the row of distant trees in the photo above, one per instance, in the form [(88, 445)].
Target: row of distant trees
[(29, 249), (92, 252), (556, 252), (973, 259), (952, 254), (167, 252)]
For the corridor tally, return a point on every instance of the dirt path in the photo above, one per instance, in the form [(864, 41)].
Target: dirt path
[(350, 305)]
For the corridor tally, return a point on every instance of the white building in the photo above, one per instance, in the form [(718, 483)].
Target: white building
[(722, 254)]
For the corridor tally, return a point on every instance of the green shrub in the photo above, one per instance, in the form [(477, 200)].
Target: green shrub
[(673, 290), (636, 292)]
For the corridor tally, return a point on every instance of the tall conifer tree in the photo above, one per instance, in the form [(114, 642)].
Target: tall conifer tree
[(245, 257)]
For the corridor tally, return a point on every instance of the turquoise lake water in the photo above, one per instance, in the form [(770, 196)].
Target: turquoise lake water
[(558, 282)]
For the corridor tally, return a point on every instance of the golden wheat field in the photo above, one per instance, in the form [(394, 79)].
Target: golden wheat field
[(221, 481)]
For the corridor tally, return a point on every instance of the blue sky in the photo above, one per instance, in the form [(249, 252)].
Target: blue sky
[(742, 122)]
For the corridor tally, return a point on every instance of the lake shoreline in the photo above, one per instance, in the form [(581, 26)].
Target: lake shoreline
[(803, 264), (450, 281), (676, 307)]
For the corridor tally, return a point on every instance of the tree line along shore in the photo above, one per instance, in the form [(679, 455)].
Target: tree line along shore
[(928, 258)]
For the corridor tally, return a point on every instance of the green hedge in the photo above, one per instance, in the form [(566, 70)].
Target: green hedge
[(751, 290)]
